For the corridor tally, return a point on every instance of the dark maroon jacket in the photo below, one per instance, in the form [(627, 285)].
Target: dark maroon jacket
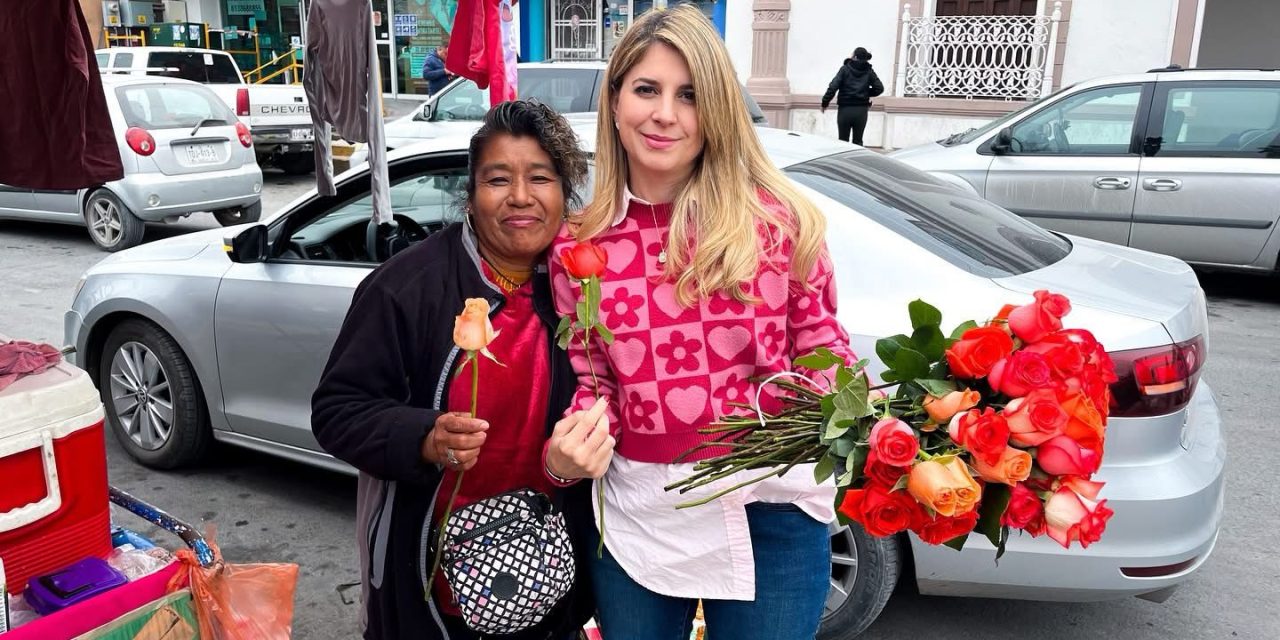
[(54, 124)]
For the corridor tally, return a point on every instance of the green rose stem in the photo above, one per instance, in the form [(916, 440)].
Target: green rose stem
[(586, 345), (457, 484)]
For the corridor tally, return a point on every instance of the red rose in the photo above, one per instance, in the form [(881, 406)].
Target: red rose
[(893, 442), (1024, 510), (940, 529), (880, 511), (1021, 373), (984, 434), (1031, 322), (1069, 516), (1061, 456), (1035, 418), (1065, 357), (882, 475), (584, 260), (977, 350)]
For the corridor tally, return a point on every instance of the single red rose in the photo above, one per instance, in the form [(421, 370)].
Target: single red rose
[(984, 434), (941, 529), (584, 260), (1021, 373), (977, 350), (1062, 456), (882, 475), (1025, 508), (1034, 418), (1032, 322), (881, 512), (893, 442)]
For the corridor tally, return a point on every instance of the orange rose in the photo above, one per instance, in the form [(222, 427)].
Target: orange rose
[(1013, 467), (942, 409), (472, 330), (947, 488), (977, 351), (1084, 424)]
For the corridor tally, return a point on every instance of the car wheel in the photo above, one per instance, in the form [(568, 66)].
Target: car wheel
[(864, 572), (296, 164), (153, 403), (112, 226), (239, 215)]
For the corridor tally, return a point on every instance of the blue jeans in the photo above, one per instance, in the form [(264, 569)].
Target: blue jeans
[(793, 568)]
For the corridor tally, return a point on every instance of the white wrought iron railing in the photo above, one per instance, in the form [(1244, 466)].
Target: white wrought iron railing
[(983, 57)]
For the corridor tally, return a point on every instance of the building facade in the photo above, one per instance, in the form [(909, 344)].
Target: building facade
[(948, 65)]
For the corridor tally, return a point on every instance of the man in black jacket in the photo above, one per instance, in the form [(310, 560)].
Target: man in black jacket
[(857, 84)]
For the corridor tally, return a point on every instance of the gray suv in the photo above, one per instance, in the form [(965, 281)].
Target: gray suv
[(1180, 162)]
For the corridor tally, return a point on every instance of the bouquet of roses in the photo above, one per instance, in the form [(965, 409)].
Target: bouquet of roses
[(997, 427)]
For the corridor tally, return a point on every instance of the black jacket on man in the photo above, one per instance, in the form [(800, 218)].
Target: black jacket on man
[(386, 381), (856, 82)]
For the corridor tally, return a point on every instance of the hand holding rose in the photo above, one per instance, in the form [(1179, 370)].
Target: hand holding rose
[(581, 446)]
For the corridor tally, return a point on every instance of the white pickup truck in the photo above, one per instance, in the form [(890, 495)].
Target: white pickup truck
[(277, 115)]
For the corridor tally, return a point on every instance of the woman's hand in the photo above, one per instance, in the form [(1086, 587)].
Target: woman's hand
[(580, 445), (456, 433)]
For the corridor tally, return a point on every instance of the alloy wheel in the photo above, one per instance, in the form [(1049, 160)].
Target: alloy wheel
[(844, 567), (105, 222), (141, 395)]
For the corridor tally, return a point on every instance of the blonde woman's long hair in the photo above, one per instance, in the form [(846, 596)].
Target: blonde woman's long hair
[(719, 206)]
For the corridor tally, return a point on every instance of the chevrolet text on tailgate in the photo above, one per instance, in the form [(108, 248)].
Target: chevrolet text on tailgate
[(277, 115)]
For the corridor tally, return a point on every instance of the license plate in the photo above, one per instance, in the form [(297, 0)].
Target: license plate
[(300, 134), (201, 154)]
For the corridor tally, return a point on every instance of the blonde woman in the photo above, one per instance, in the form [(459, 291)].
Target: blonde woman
[(717, 275)]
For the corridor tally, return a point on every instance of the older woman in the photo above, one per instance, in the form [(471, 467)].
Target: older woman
[(390, 404)]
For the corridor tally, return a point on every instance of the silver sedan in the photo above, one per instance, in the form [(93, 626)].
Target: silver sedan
[(196, 338), (183, 152)]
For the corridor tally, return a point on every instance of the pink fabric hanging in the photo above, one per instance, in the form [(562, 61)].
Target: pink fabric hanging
[(21, 358)]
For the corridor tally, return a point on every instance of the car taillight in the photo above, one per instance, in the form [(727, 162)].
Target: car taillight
[(242, 132), (1156, 381), (242, 102), (140, 141)]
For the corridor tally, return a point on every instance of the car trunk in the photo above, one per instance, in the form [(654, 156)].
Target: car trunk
[(211, 149)]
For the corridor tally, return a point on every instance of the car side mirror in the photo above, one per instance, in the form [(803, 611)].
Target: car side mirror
[(249, 246), (428, 111), (1003, 142)]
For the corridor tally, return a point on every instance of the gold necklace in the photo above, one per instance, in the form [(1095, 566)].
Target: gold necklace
[(507, 282), (662, 254)]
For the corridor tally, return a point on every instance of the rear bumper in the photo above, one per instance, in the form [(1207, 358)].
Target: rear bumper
[(180, 195), (1167, 515), (282, 139)]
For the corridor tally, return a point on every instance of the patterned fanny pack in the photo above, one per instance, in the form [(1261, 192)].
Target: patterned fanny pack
[(508, 560)]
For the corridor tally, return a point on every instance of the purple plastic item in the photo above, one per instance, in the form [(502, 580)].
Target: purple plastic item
[(65, 587)]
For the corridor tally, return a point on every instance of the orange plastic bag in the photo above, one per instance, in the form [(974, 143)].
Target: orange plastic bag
[(242, 601)]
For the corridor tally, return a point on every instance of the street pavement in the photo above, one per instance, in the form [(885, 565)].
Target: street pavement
[(265, 509)]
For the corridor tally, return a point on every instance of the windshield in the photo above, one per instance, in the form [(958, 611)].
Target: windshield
[(965, 137), (171, 106), (959, 227), (205, 68)]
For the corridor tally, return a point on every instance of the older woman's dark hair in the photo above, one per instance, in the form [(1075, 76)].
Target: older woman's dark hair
[(527, 118)]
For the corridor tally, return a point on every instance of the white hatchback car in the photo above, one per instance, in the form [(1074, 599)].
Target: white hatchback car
[(183, 152)]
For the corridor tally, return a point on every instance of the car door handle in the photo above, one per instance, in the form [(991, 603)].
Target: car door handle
[(1112, 183), (1161, 184)]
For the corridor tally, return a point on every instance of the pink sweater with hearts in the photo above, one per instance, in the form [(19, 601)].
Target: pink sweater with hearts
[(672, 370)]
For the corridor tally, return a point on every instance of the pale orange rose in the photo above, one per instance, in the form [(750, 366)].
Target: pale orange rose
[(1014, 467), (1084, 424), (947, 488), (472, 330), (942, 409)]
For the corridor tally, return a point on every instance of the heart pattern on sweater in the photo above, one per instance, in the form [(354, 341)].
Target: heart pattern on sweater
[(774, 288), (627, 354), (621, 254), (687, 403), (728, 342)]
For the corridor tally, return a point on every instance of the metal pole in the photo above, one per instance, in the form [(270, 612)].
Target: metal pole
[(900, 82), (1050, 56)]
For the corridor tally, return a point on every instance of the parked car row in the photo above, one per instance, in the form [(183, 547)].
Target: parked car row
[(192, 344)]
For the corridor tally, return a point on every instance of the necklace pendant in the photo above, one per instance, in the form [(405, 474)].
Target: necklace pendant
[(662, 257)]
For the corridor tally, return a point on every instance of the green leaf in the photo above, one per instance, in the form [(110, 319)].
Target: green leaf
[(889, 376), (844, 447), (844, 375), (965, 326), (836, 428), (823, 470), (1004, 540), (929, 341), (923, 314), (901, 484), (887, 348), (605, 333), (957, 542), (851, 402), (819, 360), (564, 340), (857, 462), (995, 499), (911, 364), (584, 312), (565, 323), (936, 388)]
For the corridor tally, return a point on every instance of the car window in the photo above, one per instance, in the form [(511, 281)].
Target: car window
[(963, 229), (123, 60), (1093, 122), (565, 90), (102, 59), (429, 198), (171, 106), (463, 101), (205, 68), (1220, 120)]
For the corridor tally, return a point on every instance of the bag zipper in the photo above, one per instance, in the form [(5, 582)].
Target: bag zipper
[(492, 526)]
